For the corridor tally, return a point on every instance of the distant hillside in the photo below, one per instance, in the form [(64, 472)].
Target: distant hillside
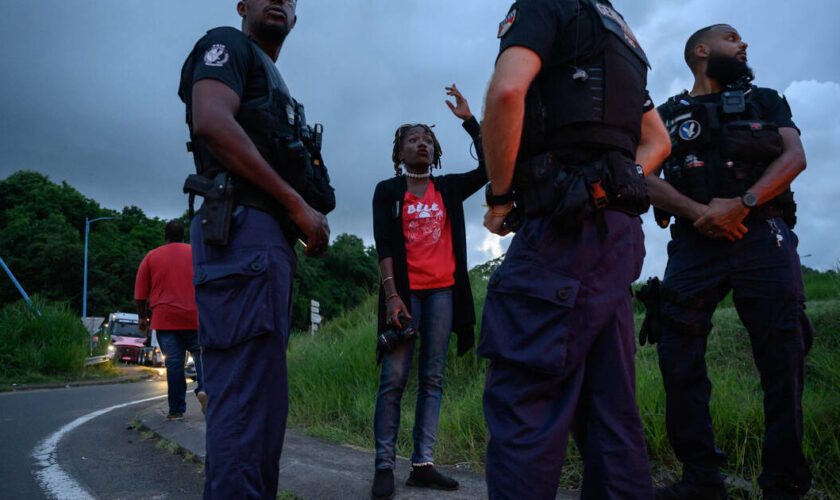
[(42, 237)]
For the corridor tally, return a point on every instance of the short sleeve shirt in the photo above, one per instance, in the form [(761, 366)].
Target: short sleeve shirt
[(770, 106), (226, 55), (428, 241), (538, 24), (165, 279)]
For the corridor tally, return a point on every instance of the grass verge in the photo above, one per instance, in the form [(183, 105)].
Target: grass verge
[(333, 380), (46, 349)]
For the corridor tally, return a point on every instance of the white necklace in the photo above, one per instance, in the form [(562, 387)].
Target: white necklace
[(417, 176)]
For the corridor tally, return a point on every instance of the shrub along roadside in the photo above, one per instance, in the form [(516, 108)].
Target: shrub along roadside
[(47, 348), (333, 381)]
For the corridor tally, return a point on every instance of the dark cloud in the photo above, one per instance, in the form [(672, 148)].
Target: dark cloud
[(88, 93)]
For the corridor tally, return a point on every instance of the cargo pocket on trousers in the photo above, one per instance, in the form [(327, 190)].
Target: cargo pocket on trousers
[(527, 315), (234, 298)]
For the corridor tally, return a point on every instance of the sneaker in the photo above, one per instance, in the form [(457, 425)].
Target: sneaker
[(687, 491), (174, 416), (202, 398), (383, 485), (426, 476)]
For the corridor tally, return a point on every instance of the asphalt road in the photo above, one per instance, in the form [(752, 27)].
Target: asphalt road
[(105, 456)]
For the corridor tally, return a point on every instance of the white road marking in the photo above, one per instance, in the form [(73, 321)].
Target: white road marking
[(51, 477)]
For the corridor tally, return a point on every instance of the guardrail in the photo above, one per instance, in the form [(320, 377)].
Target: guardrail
[(96, 360)]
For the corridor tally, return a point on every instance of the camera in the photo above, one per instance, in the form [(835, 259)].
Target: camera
[(393, 338)]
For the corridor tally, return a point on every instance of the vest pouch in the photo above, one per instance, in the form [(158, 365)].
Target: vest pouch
[(537, 185), (628, 188), (750, 141), (576, 203)]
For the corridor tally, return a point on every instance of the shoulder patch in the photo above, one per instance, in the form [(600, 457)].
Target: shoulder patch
[(507, 23), (216, 56)]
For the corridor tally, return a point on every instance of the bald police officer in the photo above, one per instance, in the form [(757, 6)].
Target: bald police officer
[(251, 143), (569, 132), (735, 151)]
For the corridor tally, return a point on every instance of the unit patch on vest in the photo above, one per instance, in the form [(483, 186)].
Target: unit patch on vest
[(690, 130), (216, 56), (505, 25)]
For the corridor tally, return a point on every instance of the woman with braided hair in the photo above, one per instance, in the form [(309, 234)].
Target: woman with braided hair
[(418, 225)]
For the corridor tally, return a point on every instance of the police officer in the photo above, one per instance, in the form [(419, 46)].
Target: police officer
[(735, 151), (558, 323), (245, 125)]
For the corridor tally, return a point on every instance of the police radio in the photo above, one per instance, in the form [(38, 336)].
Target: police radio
[(733, 102)]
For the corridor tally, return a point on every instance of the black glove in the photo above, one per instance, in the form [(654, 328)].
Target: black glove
[(649, 295)]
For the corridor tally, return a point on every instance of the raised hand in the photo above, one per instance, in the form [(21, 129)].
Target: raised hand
[(461, 109)]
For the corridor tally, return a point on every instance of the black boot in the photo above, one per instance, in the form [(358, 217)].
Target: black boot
[(688, 491), (779, 494), (383, 485), (426, 476)]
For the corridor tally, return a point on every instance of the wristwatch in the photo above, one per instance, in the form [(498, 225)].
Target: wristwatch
[(497, 199), (749, 200)]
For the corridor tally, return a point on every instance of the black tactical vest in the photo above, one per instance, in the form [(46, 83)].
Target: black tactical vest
[(719, 149), (276, 124), (593, 99)]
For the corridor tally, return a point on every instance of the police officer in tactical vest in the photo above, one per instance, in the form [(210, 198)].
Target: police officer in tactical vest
[(569, 134), (735, 152), (264, 184)]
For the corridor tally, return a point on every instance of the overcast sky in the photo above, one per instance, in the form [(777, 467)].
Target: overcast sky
[(88, 93)]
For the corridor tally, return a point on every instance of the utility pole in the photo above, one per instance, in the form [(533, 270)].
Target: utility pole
[(20, 288), (88, 222)]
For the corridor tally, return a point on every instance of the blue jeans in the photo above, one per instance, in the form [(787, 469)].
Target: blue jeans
[(173, 344), (432, 318)]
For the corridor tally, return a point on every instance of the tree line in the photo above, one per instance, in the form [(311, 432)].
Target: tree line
[(42, 231)]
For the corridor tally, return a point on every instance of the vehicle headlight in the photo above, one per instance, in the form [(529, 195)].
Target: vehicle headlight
[(111, 348), (189, 359)]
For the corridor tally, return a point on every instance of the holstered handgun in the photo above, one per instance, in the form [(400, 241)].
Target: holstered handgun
[(216, 211)]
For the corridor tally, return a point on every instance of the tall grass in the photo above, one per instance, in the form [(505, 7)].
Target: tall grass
[(33, 347), (334, 378)]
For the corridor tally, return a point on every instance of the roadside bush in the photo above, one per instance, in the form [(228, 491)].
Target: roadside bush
[(53, 344)]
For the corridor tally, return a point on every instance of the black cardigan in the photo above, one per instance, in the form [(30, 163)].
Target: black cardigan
[(390, 241)]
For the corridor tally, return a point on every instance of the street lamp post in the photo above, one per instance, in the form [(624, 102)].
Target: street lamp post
[(88, 222)]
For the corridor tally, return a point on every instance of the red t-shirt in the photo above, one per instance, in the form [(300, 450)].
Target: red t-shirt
[(165, 279), (428, 241)]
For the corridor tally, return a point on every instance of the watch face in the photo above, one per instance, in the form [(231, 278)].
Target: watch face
[(750, 200)]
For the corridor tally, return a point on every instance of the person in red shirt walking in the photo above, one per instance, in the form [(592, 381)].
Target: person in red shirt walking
[(164, 286), (418, 225)]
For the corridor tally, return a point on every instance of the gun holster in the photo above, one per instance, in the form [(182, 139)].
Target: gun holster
[(216, 211), (650, 295)]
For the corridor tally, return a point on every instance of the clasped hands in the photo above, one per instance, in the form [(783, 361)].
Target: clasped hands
[(723, 218)]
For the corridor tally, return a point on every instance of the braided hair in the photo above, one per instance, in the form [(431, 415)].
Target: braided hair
[(398, 139)]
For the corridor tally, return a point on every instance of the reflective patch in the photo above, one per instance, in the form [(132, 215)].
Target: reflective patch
[(505, 25), (690, 130), (216, 56)]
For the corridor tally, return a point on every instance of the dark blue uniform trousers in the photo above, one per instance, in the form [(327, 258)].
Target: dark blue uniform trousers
[(244, 297), (765, 277), (558, 329)]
